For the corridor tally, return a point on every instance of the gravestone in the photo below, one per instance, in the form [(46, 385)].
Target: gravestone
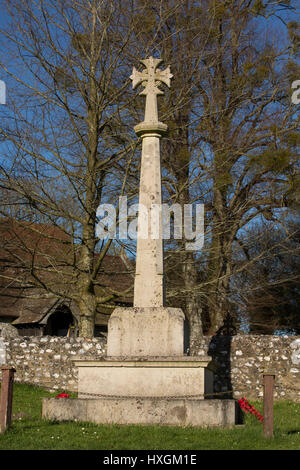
[(8, 331)]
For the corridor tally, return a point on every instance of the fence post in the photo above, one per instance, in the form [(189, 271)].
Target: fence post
[(268, 404), (6, 397)]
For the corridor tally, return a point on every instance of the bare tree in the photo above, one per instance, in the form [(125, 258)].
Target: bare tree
[(267, 288), (232, 143), (233, 134), (66, 136)]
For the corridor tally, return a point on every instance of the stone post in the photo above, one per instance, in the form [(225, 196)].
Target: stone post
[(268, 404), (6, 397)]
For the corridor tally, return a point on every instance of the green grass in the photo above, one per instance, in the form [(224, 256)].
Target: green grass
[(30, 431)]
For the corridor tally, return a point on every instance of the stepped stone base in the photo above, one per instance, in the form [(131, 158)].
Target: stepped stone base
[(145, 391), (143, 411)]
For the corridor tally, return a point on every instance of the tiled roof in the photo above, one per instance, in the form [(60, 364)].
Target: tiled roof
[(53, 255)]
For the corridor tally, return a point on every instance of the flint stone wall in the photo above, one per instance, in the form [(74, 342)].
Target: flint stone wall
[(241, 361), (47, 360)]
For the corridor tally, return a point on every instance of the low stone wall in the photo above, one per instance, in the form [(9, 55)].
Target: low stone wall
[(46, 360), (240, 360)]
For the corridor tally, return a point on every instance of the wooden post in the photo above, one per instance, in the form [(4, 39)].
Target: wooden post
[(6, 397), (268, 404)]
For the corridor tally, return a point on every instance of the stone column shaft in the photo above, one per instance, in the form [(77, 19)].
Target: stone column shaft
[(149, 282)]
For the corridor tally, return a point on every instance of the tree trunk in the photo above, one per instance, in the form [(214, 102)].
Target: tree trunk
[(86, 325), (219, 272), (193, 310), (219, 256), (87, 307), (196, 331)]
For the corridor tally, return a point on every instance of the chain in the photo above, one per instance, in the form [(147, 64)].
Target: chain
[(213, 394), (51, 389), (158, 397)]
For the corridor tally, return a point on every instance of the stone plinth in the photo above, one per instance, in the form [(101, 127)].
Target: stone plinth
[(151, 377), (144, 411), (146, 331)]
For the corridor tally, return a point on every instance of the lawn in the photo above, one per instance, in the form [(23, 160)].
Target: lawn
[(30, 431)]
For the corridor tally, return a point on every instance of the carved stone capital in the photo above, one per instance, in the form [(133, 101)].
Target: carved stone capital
[(150, 128)]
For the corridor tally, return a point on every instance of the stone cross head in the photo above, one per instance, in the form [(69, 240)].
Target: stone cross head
[(150, 79)]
